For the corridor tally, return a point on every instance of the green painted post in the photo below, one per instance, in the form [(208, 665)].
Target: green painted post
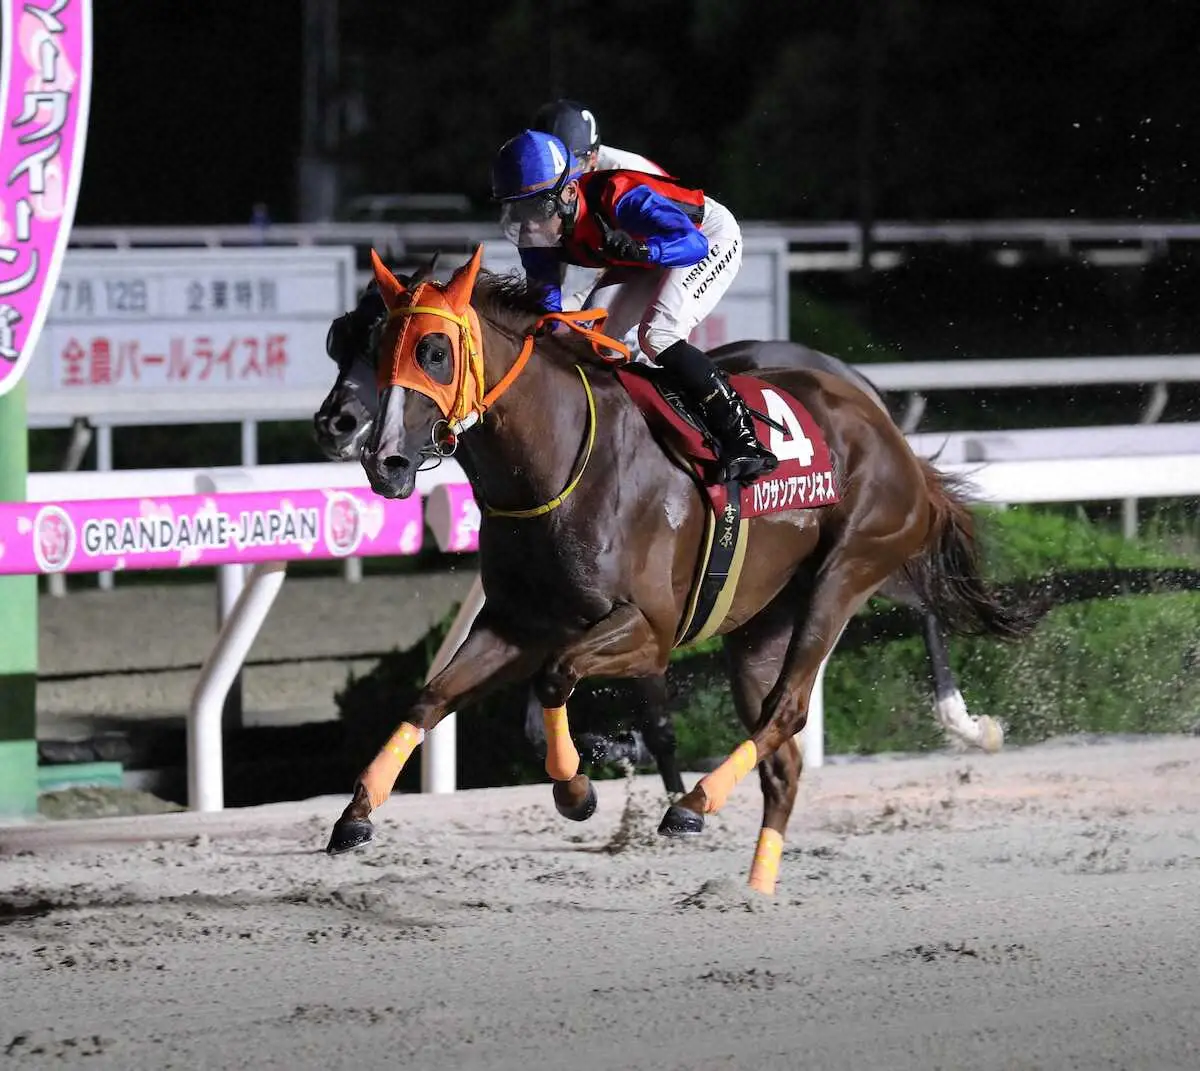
[(18, 633), (46, 57)]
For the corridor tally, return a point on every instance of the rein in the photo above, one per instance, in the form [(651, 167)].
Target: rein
[(558, 500), (460, 419)]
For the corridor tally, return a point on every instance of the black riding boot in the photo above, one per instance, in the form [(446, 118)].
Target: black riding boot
[(741, 456)]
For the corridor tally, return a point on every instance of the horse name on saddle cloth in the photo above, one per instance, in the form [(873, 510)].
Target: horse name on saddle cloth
[(803, 480)]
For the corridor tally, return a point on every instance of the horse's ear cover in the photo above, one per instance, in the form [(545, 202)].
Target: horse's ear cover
[(458, 289), (390, 288)]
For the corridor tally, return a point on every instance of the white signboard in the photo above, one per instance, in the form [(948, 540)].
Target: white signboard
[(754, 307), (165, 333)]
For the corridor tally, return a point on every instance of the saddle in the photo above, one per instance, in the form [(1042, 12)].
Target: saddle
[(804, 479)]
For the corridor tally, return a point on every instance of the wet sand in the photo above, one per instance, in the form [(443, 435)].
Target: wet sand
[(1034, 909)]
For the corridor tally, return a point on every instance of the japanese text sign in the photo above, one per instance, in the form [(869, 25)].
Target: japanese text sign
[(190, 330), (45, 78)]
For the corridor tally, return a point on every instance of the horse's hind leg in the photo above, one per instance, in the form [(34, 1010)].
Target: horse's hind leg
[(950, 709), (851, 572), (755, 654), (779, 775), (658, 729)]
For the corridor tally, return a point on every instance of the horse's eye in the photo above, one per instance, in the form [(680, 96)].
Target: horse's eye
[(433, 354)]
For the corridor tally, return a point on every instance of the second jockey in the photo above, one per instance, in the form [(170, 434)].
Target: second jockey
[(576, 127), (668, 252)]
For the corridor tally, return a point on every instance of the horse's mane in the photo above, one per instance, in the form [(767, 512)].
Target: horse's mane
[(507, 299), (509, 302)]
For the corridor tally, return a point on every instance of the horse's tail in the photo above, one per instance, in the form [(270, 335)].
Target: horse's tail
[(947, 576)]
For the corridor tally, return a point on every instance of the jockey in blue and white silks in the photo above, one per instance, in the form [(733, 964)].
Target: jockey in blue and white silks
[(667, 254)]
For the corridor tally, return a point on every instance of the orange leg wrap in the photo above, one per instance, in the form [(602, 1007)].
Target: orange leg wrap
[(562, 760), (765, 870), (718, 784), (380, 777)]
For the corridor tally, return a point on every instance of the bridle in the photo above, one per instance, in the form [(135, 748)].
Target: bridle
[(463, 416)]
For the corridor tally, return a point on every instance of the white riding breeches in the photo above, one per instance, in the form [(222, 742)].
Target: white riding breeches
[(666, 304)]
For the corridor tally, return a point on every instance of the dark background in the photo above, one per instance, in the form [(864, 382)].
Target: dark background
[(902, 109), (889, 109)]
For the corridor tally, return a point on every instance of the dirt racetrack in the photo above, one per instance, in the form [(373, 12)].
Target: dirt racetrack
[(1035, 909)]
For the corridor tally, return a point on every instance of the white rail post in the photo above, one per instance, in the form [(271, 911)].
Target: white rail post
[(812, 736), (439, 752), (1150, 415), (206, 763), (249, 443), (104, 463), (231, 580)]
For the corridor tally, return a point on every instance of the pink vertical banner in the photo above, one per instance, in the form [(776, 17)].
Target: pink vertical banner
[(45, 82)]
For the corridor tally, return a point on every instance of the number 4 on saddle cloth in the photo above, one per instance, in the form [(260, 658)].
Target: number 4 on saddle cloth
[(804, 479)]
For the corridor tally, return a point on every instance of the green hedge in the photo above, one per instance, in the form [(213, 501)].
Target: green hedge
[(1127, 664)]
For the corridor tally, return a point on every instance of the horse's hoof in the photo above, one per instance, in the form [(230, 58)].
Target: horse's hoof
[(569, 805), (681, 822), (349, 833), (991, 733)]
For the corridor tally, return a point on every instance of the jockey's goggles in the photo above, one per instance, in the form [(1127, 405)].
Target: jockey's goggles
[(532, 222), (536, 221), (536, 209)]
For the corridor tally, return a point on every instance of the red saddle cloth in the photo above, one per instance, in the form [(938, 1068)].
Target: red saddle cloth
[(804, 478)]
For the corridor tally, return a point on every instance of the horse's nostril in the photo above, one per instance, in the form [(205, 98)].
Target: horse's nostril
[(344, 423), (395, 463)]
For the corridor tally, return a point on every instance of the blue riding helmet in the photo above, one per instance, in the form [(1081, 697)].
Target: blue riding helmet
[(532, 163), (528, 177)]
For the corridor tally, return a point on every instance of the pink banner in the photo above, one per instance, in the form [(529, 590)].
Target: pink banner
[(45, 77), (453, 518), (183, 531)]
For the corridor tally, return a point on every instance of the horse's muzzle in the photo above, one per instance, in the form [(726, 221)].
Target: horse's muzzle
[(341, 434), (390, 475)]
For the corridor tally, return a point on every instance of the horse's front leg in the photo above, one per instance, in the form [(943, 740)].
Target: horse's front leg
[(623, 644), (483, 662)]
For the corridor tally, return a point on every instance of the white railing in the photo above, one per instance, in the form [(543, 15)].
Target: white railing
[(1078, 479), (1034, 372), (915, 378), (1002, 482), (268, 515), (1132, 461)]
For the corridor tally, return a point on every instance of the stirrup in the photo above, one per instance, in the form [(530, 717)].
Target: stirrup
[(745, 468), (740, 456)]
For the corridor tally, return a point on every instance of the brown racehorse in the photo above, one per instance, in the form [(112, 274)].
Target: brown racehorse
[(343, 423), (585, 573)]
